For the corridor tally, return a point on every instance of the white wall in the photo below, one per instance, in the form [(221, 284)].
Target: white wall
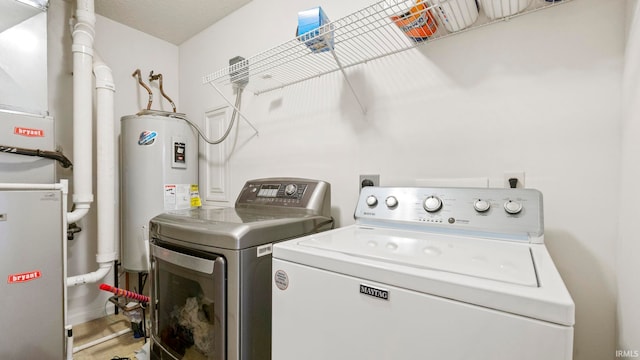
[(540, 93), (124, 50), (628, 251)]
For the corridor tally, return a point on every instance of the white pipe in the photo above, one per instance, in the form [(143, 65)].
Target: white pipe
[(68, 328), (78, 213), (101, 340), (105, 144), (83, 32), (89, 278), (83, 66), (69, 334), (106, 162), (15, 186), (82, 48)]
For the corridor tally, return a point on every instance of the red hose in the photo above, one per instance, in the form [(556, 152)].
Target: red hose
[(124, 293)]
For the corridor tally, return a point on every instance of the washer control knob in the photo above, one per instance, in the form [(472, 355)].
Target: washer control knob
[(290, 189), (391, 202), (432, 204), (512, 207), (372, 200), (481, 205)]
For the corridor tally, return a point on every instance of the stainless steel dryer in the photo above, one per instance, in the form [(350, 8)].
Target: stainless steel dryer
[(211, 269)]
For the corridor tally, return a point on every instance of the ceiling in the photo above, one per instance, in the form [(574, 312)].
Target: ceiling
[(171, 20)]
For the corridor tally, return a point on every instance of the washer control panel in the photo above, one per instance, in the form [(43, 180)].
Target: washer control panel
[(510, 213)]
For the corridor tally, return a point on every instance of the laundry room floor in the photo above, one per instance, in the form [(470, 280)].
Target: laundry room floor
[(123, 346)]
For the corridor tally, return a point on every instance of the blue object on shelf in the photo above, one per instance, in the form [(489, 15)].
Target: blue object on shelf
[(310, 31)]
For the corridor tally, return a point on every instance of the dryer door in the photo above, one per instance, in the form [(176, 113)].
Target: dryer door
[(188, 293)]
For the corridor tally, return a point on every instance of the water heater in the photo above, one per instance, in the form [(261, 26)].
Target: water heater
[(159, 173)]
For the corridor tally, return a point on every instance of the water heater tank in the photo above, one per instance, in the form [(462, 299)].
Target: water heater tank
[(159, 173)]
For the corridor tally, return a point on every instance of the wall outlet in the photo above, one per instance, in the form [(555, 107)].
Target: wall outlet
[(369, 180), (510, 175)]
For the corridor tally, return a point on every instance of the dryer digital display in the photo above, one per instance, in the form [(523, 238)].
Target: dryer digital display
[(269, 190)]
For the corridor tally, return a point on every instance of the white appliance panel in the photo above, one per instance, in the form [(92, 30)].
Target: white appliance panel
[(550, 301), (31, 266), (23, 62), (365, 327), (494, 260), (30, 132)]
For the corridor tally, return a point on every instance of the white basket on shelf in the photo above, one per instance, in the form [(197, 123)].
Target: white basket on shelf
[(496, 9), (455, 15)]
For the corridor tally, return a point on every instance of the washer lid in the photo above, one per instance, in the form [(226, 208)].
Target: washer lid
[(512, 277), (493, 260)]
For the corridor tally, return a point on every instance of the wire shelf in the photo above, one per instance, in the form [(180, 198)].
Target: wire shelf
[(368, 34)]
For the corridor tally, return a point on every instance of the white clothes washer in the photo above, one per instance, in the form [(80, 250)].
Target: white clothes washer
[(424, 273)]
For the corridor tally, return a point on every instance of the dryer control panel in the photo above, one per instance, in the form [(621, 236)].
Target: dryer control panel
[(501, 213), (311, 195)]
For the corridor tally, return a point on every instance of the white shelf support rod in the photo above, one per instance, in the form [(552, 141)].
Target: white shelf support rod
[(344, 73), (233, 106)]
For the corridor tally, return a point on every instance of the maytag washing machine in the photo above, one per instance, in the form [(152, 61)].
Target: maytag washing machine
[(424, 273), (211, 269)]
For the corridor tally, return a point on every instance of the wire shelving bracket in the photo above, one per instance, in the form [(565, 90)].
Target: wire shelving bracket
[(365, 35)]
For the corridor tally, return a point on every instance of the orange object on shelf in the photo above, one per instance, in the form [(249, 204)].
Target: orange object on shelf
[(418, 23)]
